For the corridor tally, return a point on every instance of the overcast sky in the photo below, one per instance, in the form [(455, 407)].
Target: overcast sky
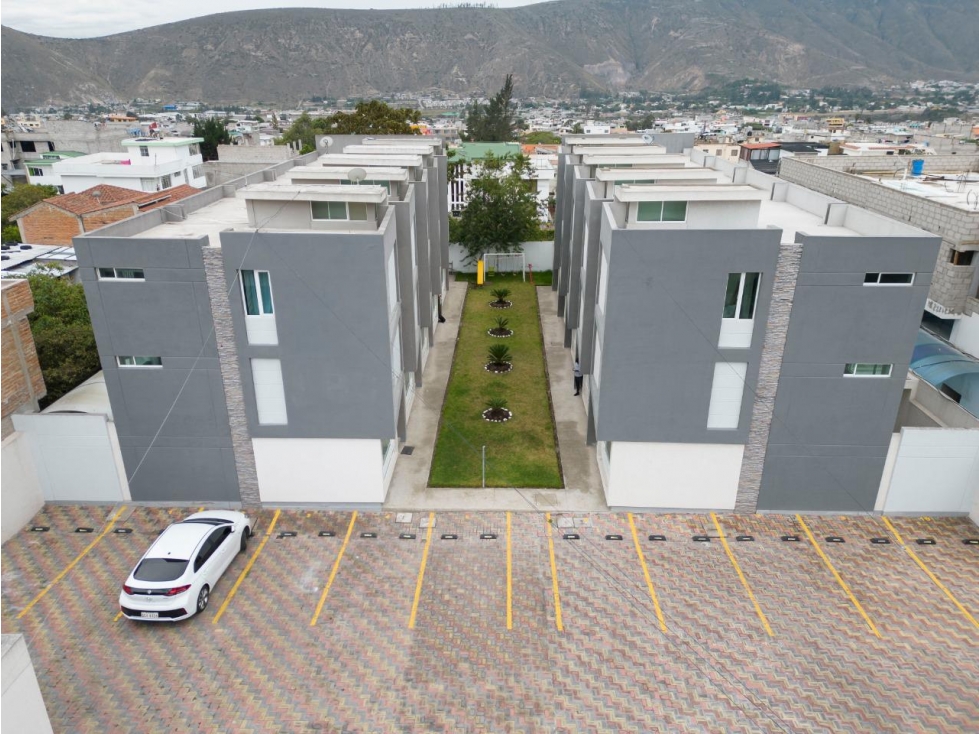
[(87, 18)]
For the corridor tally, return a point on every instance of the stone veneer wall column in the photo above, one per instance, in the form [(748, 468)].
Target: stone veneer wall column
[(224, 334), (776, 330)]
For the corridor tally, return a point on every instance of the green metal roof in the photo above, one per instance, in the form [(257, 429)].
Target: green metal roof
[(53, 157), (478, 151)]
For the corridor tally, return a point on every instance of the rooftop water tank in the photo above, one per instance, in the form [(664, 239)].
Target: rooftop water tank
[(917, 166)]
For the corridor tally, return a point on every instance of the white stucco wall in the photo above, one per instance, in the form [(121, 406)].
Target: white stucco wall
[(680, 476), (965, 334), (22, 497), (314, 470), (538, 254), (21, 704), (936, 471)]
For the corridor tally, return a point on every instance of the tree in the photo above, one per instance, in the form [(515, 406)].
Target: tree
[(496, 121), (301, 131), (501, 209), (62, 332), (20, 198), (542, 138), (214, 133), (368, 118)]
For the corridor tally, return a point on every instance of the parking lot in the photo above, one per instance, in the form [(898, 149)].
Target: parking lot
[(512, 622)]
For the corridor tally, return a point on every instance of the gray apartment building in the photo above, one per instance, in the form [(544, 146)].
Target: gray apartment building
[(745, 341), (942, 199), (262, 340)]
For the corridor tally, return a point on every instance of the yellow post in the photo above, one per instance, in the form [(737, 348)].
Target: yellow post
[(480, 272)]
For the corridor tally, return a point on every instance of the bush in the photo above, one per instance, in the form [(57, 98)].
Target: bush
[(501, 294), (499, 354)]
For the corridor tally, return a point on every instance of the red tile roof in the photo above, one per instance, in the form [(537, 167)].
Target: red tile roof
[(105, 196), (167, 196)]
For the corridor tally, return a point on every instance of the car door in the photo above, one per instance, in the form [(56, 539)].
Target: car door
[(223, 552)]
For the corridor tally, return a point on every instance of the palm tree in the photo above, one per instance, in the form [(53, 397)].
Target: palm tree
[(501, 294), (499, 355)]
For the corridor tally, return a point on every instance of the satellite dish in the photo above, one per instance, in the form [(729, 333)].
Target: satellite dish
[(326, 142), (357, 175), (647, 138)]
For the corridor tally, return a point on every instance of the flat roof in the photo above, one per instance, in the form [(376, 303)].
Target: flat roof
[(960, 190), (622, 150), (379, 159), (225, 214), (656, 192), (159, 142), (388, 149), (312, 192), (19, 261), (647, 159), (660, 173), (600, 139), (327, 173), (791, 219)]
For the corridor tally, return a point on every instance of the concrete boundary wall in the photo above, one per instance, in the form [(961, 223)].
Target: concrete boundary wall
[(857, 164), (538, 254)]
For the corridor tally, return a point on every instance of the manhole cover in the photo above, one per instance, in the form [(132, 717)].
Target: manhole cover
[(408, 450)]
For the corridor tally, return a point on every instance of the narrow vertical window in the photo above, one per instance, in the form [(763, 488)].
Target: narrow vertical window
[(256, 288), (270, 394), (727, 391), (740, 299)]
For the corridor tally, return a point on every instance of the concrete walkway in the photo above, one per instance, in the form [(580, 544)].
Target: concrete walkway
[(409, 490)]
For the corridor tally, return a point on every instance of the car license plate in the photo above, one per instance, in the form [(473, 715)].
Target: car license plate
[(150, 615)]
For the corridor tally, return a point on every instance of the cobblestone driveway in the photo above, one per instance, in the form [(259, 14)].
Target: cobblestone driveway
[(761, 635)]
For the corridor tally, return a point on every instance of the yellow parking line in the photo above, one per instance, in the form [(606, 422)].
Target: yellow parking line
[(421, 572), (932, 576), (248, 567), (837, 576), (558, 620), (71, 565), (509, 577), (645, 573), (333, 573), (744, 581)]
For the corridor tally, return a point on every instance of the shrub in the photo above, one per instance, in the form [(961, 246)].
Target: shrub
[(501, 294), (499, 354)]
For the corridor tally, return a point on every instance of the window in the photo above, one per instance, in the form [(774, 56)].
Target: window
[(165, 182), (144, 151), (120, 273), (888, 279), (662, 211), (35, 171), (160, 569), (257, 290), (863, 369), (959, 257), (178, 174), (354, 211), (139, 361), (198, 171), (194, 149), (741, 296), (270, 393), (27, 146), (726, 393)]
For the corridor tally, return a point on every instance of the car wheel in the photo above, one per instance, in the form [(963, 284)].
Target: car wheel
[(244, 539), (203, 598)]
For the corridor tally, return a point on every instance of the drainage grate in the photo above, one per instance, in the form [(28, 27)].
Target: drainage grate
[(657, 537), (744, 538), (287, 534), (571, 536), (407, 536), (408, 450), (925, 541), (701, 539), (327, 534), (122, 531), (880, 541), (450, 536), (613, 537), (834, 539), (46, 528), (84, 530), (487, 536), (967, 541), (790, 538), (368, 535)]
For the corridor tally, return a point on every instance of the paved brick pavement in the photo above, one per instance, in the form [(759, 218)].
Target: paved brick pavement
[(262, 667)]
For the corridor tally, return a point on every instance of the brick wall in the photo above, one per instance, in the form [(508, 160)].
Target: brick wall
[(107, 216), (933, 163), (48, 225), (22, 382), (959, 228)]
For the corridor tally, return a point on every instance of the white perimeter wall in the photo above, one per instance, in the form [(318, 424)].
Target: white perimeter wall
[(21, 703), (681, 476), (538, 254), (965, 334), (76, 457), (22, 498), (936, 471), (313, 470)]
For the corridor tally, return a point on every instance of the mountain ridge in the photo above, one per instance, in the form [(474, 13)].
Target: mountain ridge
[(553, 49)]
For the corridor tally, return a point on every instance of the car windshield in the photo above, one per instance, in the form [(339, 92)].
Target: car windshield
[(160, 569)]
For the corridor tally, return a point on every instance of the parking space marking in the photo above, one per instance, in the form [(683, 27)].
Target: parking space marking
[(248, 567), (74, 563), (333, 573), (744, 581), (645, 573), (509, 576), (421, 572), (558, 620), (839, 579), (932, 576)]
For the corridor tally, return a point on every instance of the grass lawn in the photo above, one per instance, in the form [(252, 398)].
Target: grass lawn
[(520, 452)]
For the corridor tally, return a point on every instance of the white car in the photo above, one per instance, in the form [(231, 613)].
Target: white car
[(174, 578)]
